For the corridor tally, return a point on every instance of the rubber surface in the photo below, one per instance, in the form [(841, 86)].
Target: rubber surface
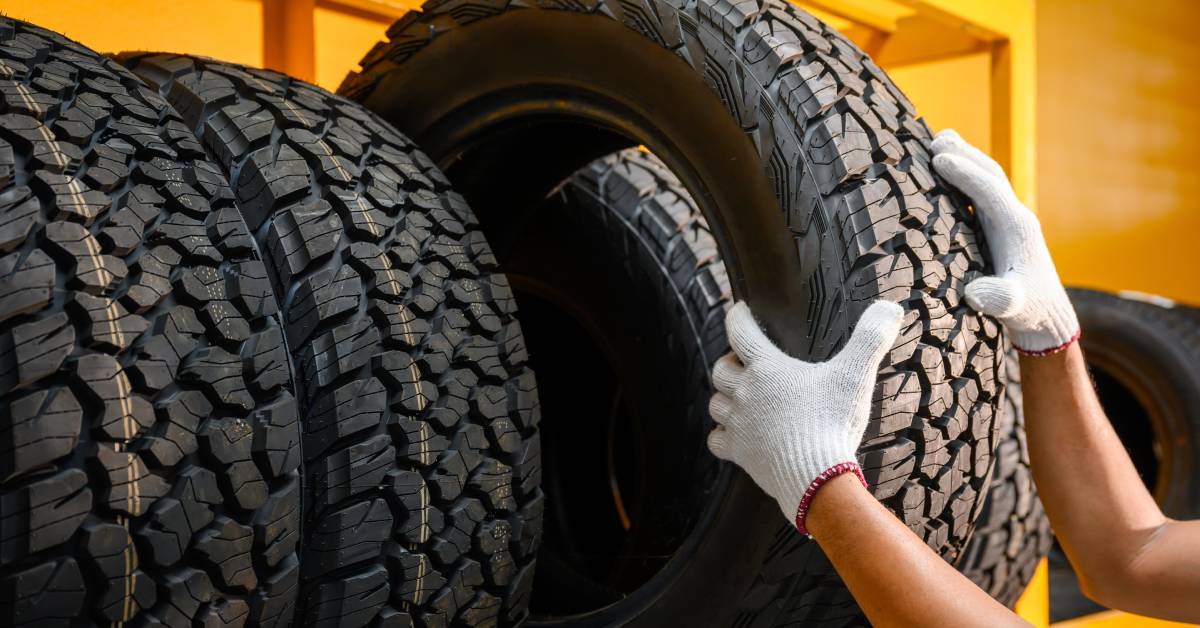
[(148, 435), (422, 500), (1154, 352), (1012, 534), (813, 172), (623, 226)]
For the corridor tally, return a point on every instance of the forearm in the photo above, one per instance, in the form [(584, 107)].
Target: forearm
[(894, 576), (1107, 522)]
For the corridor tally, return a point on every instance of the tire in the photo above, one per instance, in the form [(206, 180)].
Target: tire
[(1012, 534), (149, 451), (1145, 360), (622, 226), (817, 189), (419, 415)]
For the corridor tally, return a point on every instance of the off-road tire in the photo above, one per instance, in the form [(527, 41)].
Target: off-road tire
[(1012, 534), (622, 226), (814, 175), (419, 414), (149, 443)]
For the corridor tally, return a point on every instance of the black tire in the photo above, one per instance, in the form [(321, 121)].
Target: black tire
[(623, 296), (419, 415), (1145, 360), (1012, 534), (149, 450), (819, 194)]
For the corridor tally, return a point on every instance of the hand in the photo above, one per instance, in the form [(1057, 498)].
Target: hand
[(792, 425), (1026, 296)]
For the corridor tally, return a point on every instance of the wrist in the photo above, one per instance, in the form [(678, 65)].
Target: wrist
[(1048, 351), (838, 474), (1057, 328), (834, 501)]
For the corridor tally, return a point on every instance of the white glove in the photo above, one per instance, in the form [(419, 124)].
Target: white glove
[(792, 425), (1026, 296)]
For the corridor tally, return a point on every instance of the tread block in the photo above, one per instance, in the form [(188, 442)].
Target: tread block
[(219, 374), (49, 592), (302, 235), (25, 284), (276, 444), (128, 486), (353, 407), (125, 415), (422, 518), (111, 552), (226, 545), (151, 279), (335, 353), (110, 327), (185, 592), (348, 472), (175, 436), (43, 514), (265, 362), (34, 350), (322, 296), (230, 442), (276, 526), (349, 535), (419, 579), (350, 600), (45, 426)]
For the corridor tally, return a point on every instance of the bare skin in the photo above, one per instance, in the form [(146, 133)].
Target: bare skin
[(1128, 555), (917, 588)]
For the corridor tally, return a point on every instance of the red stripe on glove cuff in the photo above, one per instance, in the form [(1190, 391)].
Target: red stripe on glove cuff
[(825, 476), (1052, 350)]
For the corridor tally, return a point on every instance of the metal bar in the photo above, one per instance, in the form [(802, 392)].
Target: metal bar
[(289, 38), (1002, 105), (1034, 604), (855, 12), (382, 10), (955, 21)]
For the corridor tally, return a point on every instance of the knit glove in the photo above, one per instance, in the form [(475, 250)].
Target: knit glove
[(793, 425), (1026, 296)]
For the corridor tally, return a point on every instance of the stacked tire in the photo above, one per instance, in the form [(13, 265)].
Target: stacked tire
[(151, 443), (300, 397), (418, 412)]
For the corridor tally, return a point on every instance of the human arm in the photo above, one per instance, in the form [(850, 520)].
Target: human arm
[(1127, 554), (788, 423), (894, 576)]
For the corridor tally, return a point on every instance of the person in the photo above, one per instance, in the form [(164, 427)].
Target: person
[(795, 426)]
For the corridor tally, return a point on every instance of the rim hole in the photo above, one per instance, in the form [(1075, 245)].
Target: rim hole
[(626, 474), (1132, 423), (583, 531)]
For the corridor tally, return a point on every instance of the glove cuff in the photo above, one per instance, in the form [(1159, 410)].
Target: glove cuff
[(1040, 353), (1058, 329), (817, 483)]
